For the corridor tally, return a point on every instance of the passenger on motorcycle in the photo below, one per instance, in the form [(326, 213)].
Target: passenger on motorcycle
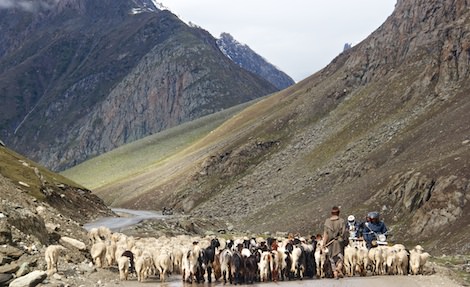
[(354, 228), (373, 228)]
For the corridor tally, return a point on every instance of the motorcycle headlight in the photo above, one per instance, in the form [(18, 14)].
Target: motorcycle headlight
[(382, 237)]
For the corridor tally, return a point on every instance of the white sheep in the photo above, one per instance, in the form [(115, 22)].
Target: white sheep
[(376, 259), (391, 260), (93, 235), (398, 247), (164, 264), (321, 257), (111, 248), (119, 251), (190, 263), (104, 233), (186, 266), (362, 260), (297, 267), (225, 256), (402, 258), (143, 265), (264, 265), (418, 259), (97, 234), (423, 259), (177, 258), (123, 265), (350, 260), (51, 255), (98, 253)]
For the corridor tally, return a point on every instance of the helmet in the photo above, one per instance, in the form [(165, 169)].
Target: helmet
[(351, 218), (373, 214)]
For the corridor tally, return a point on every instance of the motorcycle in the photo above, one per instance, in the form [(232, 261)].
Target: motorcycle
[(381, 239), (378, 239)]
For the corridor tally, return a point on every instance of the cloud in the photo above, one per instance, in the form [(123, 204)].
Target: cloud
[(4, 4), (28, 5)]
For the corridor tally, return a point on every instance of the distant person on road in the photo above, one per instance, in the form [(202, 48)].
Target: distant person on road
[(334, 237), (373, 227)]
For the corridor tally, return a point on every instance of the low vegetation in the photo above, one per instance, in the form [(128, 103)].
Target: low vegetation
[(28, 174), (139, 156)]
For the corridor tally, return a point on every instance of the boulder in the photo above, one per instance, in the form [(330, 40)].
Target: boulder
[(11, 251), (4, 278), (4, 259), (9, 268), (24, 269), (30, 280), (64, 240)]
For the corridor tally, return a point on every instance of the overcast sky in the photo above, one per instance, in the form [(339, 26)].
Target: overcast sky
[(298, 36)]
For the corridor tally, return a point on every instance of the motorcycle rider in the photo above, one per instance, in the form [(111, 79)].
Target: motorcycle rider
[(372, 228)]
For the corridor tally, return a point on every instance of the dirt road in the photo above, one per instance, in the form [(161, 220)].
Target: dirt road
[(373, 281), (107, 277), (128, 218)]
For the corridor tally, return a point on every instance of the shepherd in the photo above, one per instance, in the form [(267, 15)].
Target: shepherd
[(334, 237)]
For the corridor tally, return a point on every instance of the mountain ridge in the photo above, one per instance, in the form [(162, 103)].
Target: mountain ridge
[(383, 127), (246, 58), (91, 59)]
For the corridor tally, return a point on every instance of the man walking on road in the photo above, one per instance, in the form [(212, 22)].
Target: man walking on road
[(334, 237)]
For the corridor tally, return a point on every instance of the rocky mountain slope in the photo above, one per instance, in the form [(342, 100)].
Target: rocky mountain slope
[(383, 127), (248, 59), (22, 179), (81, 77), (39, 208)]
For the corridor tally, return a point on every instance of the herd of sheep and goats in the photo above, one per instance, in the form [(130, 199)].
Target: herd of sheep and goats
[(239, 260)]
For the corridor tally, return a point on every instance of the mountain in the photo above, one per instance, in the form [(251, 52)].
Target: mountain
[(32, 198), (249, 60), (82, 77), (39, 208), (383, 127)]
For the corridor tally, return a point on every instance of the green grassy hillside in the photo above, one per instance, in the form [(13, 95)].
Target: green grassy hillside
[(151, 151), (29, 175)]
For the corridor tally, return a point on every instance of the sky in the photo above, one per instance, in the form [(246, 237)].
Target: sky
[(300, 37)]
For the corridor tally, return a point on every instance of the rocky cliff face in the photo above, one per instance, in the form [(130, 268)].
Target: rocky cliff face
[(249, 60), (82, 77)]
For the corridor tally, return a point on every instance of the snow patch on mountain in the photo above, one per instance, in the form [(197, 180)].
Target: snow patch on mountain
[(159, 5), (147, 6), (246, 58)]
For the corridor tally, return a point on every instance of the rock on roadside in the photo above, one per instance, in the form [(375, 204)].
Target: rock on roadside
[(29, 280), (64, 240)]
